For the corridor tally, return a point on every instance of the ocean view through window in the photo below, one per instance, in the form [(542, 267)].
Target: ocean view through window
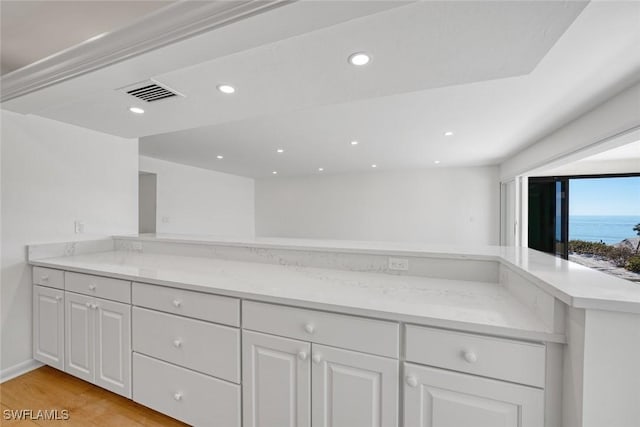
[(604, 224)]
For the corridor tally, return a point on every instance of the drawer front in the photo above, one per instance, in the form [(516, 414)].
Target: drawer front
[(509, 360), (205, 347), (188, 396), (350, 332), (213, 308), (101, 287), (48, 277)]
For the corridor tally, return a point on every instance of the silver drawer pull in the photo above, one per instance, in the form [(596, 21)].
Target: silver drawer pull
[(177, 303), (44, 278), (470, 356), (177, 343), (411, 381), (88, 304), (317, 358), (309, 328), (177, 396), (92, 287), (58, 298), (302, 355)]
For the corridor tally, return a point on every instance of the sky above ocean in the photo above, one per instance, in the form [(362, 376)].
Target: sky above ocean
[(604, 209), (605, 196)]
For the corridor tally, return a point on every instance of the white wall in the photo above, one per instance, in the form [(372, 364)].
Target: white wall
[(53, 174), (443, 205), (615, 116), (192, 200)]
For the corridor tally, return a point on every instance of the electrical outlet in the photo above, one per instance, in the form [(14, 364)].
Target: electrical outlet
[(399, 264), (78, 226)]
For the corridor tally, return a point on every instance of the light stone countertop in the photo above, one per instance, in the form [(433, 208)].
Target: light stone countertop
[(465, 305), (575, 285)]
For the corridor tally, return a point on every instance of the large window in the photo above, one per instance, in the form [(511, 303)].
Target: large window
[(594, 221)]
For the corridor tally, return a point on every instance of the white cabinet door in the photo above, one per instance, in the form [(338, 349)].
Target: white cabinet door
[(276, 381), (79, 334), (113, 346), (439, 398), (48, 326), (352, 389)]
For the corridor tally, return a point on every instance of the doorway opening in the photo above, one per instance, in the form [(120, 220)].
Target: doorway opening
[(147, 194)]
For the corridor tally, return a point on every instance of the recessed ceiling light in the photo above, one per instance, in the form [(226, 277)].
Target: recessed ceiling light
[(219, 157), (354, 142), (136, 110), (226, 88), (280, 150), (359, 59), (320, 169), (275, 172), (374, 166), (448, 133), (437, 162)]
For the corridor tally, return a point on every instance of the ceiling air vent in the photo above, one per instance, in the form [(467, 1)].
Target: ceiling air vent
[(150, 91)]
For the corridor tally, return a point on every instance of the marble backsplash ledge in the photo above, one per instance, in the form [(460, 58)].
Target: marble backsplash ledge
[(478, 270), (54, 250)]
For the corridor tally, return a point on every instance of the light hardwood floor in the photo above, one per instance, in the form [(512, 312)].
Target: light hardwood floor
[(49, 389)]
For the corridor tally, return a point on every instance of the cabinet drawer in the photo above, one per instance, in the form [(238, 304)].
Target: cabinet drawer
[(101, 287), (201, 346), (213, 308), (48, 277), (188, 396), (350, 332), (509, 360)]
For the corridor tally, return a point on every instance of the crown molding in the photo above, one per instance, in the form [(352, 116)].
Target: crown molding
[(175, 22)]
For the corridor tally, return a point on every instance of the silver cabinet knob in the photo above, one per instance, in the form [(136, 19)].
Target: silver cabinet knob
[(58, 298), (92, 287), (177, 303), (411, 381), (177, 343), (302, 355), (317, 358), (309, 328), (88, 304), (470, 356), (44, 278), (177, 396)]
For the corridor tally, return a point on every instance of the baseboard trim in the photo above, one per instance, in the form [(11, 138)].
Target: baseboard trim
[(19, 369)]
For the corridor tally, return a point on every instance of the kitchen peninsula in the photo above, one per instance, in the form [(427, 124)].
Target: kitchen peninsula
[(279, 331)]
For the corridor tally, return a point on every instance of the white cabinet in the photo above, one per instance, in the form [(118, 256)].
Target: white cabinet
[(48, 326), (438, 398), (286, 366), (202, 346), (98, 342), (113, 346), (276, 381), (352, 389), (79, 335), (189, 396)]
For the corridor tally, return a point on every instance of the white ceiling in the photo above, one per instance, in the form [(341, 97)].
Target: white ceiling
[(497, 74), (32, 30)]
